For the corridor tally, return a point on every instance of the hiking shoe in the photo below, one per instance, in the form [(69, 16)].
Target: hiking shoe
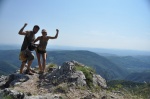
[(33, 71), (29, 72)]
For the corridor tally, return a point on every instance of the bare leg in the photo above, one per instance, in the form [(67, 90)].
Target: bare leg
[(30, 58), (29, 65), (39, 61), (22, 66), (44, 61)]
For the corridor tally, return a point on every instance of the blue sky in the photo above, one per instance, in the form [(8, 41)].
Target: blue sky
[(118, 24)]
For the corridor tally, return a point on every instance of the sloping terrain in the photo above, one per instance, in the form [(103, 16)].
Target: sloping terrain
[(70, 81), (103, 66)]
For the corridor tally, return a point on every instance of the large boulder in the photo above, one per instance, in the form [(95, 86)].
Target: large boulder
[(15, 79), (13, 94), (98, 80), (67, 73)]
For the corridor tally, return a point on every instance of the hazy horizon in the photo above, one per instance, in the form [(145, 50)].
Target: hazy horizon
[(78, 47), (101, 51), (110, 24)]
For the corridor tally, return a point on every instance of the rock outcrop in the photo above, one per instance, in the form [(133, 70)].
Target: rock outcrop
[(72, 80)]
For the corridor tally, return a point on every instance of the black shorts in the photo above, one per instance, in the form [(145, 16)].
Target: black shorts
[(41, 52)]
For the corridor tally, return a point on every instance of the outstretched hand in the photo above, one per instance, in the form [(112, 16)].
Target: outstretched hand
[(57, 30), (25, 24)]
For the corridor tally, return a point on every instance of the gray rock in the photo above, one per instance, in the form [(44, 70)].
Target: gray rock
[(67, 67), (13, 79), (3, 80), (79, 78), (77, 63), (13, 94), (67, 74), (90, 96), (46, 96), (98, 80)]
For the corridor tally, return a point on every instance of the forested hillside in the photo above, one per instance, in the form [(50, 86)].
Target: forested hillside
[(103, 66), (110, 66)]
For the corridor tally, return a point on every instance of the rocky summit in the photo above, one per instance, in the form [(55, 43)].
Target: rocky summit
[(72, 80)]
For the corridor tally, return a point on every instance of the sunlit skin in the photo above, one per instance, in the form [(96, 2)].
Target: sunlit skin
[(21, 32), (44, 38)]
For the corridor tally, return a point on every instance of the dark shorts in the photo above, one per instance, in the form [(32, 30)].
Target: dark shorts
[(40, 51)]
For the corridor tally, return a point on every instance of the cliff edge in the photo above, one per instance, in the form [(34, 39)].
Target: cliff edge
[(72, 80)]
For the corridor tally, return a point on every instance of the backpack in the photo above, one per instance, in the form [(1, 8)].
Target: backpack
[(32, 46)]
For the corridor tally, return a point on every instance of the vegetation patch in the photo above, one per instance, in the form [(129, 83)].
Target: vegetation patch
[(50, 67), (88, 72), (140, 90), (7, 97), (61, 89)]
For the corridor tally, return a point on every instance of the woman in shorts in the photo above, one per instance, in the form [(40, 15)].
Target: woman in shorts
[(41, 49)]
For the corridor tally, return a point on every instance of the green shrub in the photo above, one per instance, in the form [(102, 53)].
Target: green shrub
[(136, 89), (50, 66), (7, 97), (61, 89), (88, 72)]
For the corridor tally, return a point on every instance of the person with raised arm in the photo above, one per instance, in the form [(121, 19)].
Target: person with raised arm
[(41, 49), (26, 56)]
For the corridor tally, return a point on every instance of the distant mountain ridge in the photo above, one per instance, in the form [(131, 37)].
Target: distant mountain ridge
[(6, 68), (9, 47), (109, 67), (102, 65), (120, 52), (139, 77), (132, 63)]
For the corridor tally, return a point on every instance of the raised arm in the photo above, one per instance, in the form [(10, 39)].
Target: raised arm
[(57, 31), (21, 30)]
